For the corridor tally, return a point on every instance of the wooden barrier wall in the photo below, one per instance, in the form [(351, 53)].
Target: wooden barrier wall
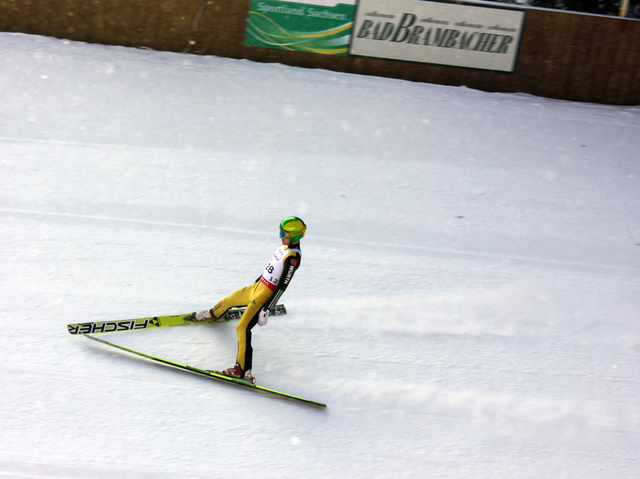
[(563, 55)]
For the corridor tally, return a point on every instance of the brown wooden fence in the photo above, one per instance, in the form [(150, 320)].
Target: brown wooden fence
[(563, 55)]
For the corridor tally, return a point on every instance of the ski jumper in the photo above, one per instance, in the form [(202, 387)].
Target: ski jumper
[(263, 294)]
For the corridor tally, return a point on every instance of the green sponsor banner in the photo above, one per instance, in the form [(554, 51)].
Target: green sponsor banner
[(307, 27)]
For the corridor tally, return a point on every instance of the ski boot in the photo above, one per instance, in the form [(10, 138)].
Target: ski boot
[(198, 317), (236, 372)]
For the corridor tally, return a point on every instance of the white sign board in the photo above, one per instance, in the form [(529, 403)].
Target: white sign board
[(456, 34)]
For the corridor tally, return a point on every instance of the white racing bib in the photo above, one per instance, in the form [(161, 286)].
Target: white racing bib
[(273, 272)]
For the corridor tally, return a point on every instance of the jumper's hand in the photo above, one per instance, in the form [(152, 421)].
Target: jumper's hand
[(263, 317)]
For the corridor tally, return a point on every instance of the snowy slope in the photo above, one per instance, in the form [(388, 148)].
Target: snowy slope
[(467, 306)]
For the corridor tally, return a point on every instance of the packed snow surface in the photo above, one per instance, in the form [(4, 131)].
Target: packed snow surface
[(468, 303)]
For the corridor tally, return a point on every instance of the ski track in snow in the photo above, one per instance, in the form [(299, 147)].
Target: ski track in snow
[(334, 240), (467, 306)]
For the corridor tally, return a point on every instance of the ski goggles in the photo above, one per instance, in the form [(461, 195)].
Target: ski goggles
[(292, 234)]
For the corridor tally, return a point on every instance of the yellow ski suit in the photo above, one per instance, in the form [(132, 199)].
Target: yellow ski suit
[(263, 294)]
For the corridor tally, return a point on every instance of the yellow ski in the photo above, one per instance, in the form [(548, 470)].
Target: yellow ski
[(209, 374), (155, 322)]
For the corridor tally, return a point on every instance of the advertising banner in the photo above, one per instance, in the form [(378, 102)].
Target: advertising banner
[(457, 34), (316, 26)]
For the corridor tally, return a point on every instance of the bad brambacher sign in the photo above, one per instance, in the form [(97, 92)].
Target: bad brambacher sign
[(456, 34)]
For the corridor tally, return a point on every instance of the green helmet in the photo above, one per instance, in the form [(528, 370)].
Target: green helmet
[(292, 228)]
